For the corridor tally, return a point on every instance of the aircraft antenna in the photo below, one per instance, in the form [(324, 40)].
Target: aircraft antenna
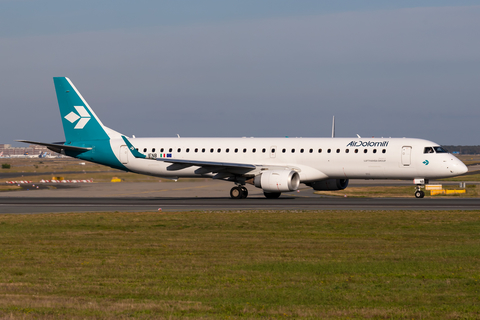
[(333, 127)]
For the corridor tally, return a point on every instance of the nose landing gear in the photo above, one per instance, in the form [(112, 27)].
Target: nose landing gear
[(419, 194)]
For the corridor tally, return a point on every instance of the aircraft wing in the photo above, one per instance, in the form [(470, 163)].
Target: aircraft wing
[(208, 166)]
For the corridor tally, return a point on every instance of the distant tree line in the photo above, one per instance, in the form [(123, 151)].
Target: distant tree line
[(463, 149)]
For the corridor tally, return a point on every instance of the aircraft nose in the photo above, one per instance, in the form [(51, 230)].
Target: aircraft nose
[(459, 167), (463, 168)]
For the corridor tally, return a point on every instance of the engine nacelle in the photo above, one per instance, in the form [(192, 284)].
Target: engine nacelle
[(329, 184), (277, 181)]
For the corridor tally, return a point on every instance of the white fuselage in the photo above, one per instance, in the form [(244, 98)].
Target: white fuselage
[(313, 158)]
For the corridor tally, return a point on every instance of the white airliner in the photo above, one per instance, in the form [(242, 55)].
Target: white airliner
[(275, 165)]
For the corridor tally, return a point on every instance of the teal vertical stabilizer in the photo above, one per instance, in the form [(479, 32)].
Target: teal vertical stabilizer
[(79, 121), (83, 128)]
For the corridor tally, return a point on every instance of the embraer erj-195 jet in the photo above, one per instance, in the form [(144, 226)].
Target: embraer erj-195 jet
[(275, 165)]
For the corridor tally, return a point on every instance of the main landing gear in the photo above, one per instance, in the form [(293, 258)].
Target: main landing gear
[(239, 192)]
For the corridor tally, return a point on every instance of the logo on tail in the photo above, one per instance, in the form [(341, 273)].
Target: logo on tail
[(82, 115)]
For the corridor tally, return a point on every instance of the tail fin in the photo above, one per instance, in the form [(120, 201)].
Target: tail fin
[(79, 121)]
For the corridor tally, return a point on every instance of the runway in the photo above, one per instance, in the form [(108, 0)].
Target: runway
[(201, 195), (46, 205)]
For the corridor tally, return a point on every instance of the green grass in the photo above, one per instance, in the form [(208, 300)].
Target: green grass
[(9, 188), (241, 265)]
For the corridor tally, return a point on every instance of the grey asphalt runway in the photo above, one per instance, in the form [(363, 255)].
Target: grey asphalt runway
[(200, 195)]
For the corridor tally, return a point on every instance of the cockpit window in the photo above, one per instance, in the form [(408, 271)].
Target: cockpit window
[(428, 150), (440, 150)]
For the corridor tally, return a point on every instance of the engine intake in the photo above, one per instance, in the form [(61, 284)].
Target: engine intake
[(329, 184), (277, 181)]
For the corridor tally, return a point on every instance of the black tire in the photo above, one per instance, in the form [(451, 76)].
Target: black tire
[(272, 195), (236, 193), (244, 193), (419, 194)]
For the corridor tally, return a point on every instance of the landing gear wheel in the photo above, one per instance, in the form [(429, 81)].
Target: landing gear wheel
[(272, 195), (244, 192), (236, 193), (419, 194)]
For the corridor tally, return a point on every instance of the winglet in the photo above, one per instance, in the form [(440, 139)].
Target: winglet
[(134, 151)]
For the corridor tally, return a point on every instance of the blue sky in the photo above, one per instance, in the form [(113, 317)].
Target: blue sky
[(245, 68)]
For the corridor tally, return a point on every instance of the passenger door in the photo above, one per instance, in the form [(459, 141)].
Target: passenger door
[(124, 154), (406, 156)]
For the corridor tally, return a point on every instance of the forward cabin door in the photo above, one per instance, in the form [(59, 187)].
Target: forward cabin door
[(124, 154), (406, 156)]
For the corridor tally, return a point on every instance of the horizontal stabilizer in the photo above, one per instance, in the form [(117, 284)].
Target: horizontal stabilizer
[(57, 147)]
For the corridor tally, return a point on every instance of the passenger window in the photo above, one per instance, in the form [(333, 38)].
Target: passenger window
[(338, 150), (196, 150), (227, 150), (161, 150), (384, 151), (179, 150), (254, 150), (236, 150), (356, 150), (263, 150), (293, 150), (188, 150), (144, 149), (273, 150), (365, 150), (203, 150), (374, 150), (170, 150), (218, 150), (284, 150), (329, 150), (153, 149), (347, 150), (319, 150), (211, 150), (244, 150), (428, 150), (311, 150), (301, 150)]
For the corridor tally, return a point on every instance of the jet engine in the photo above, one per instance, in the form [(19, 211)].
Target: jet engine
[(277, 181), (329, 184)]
